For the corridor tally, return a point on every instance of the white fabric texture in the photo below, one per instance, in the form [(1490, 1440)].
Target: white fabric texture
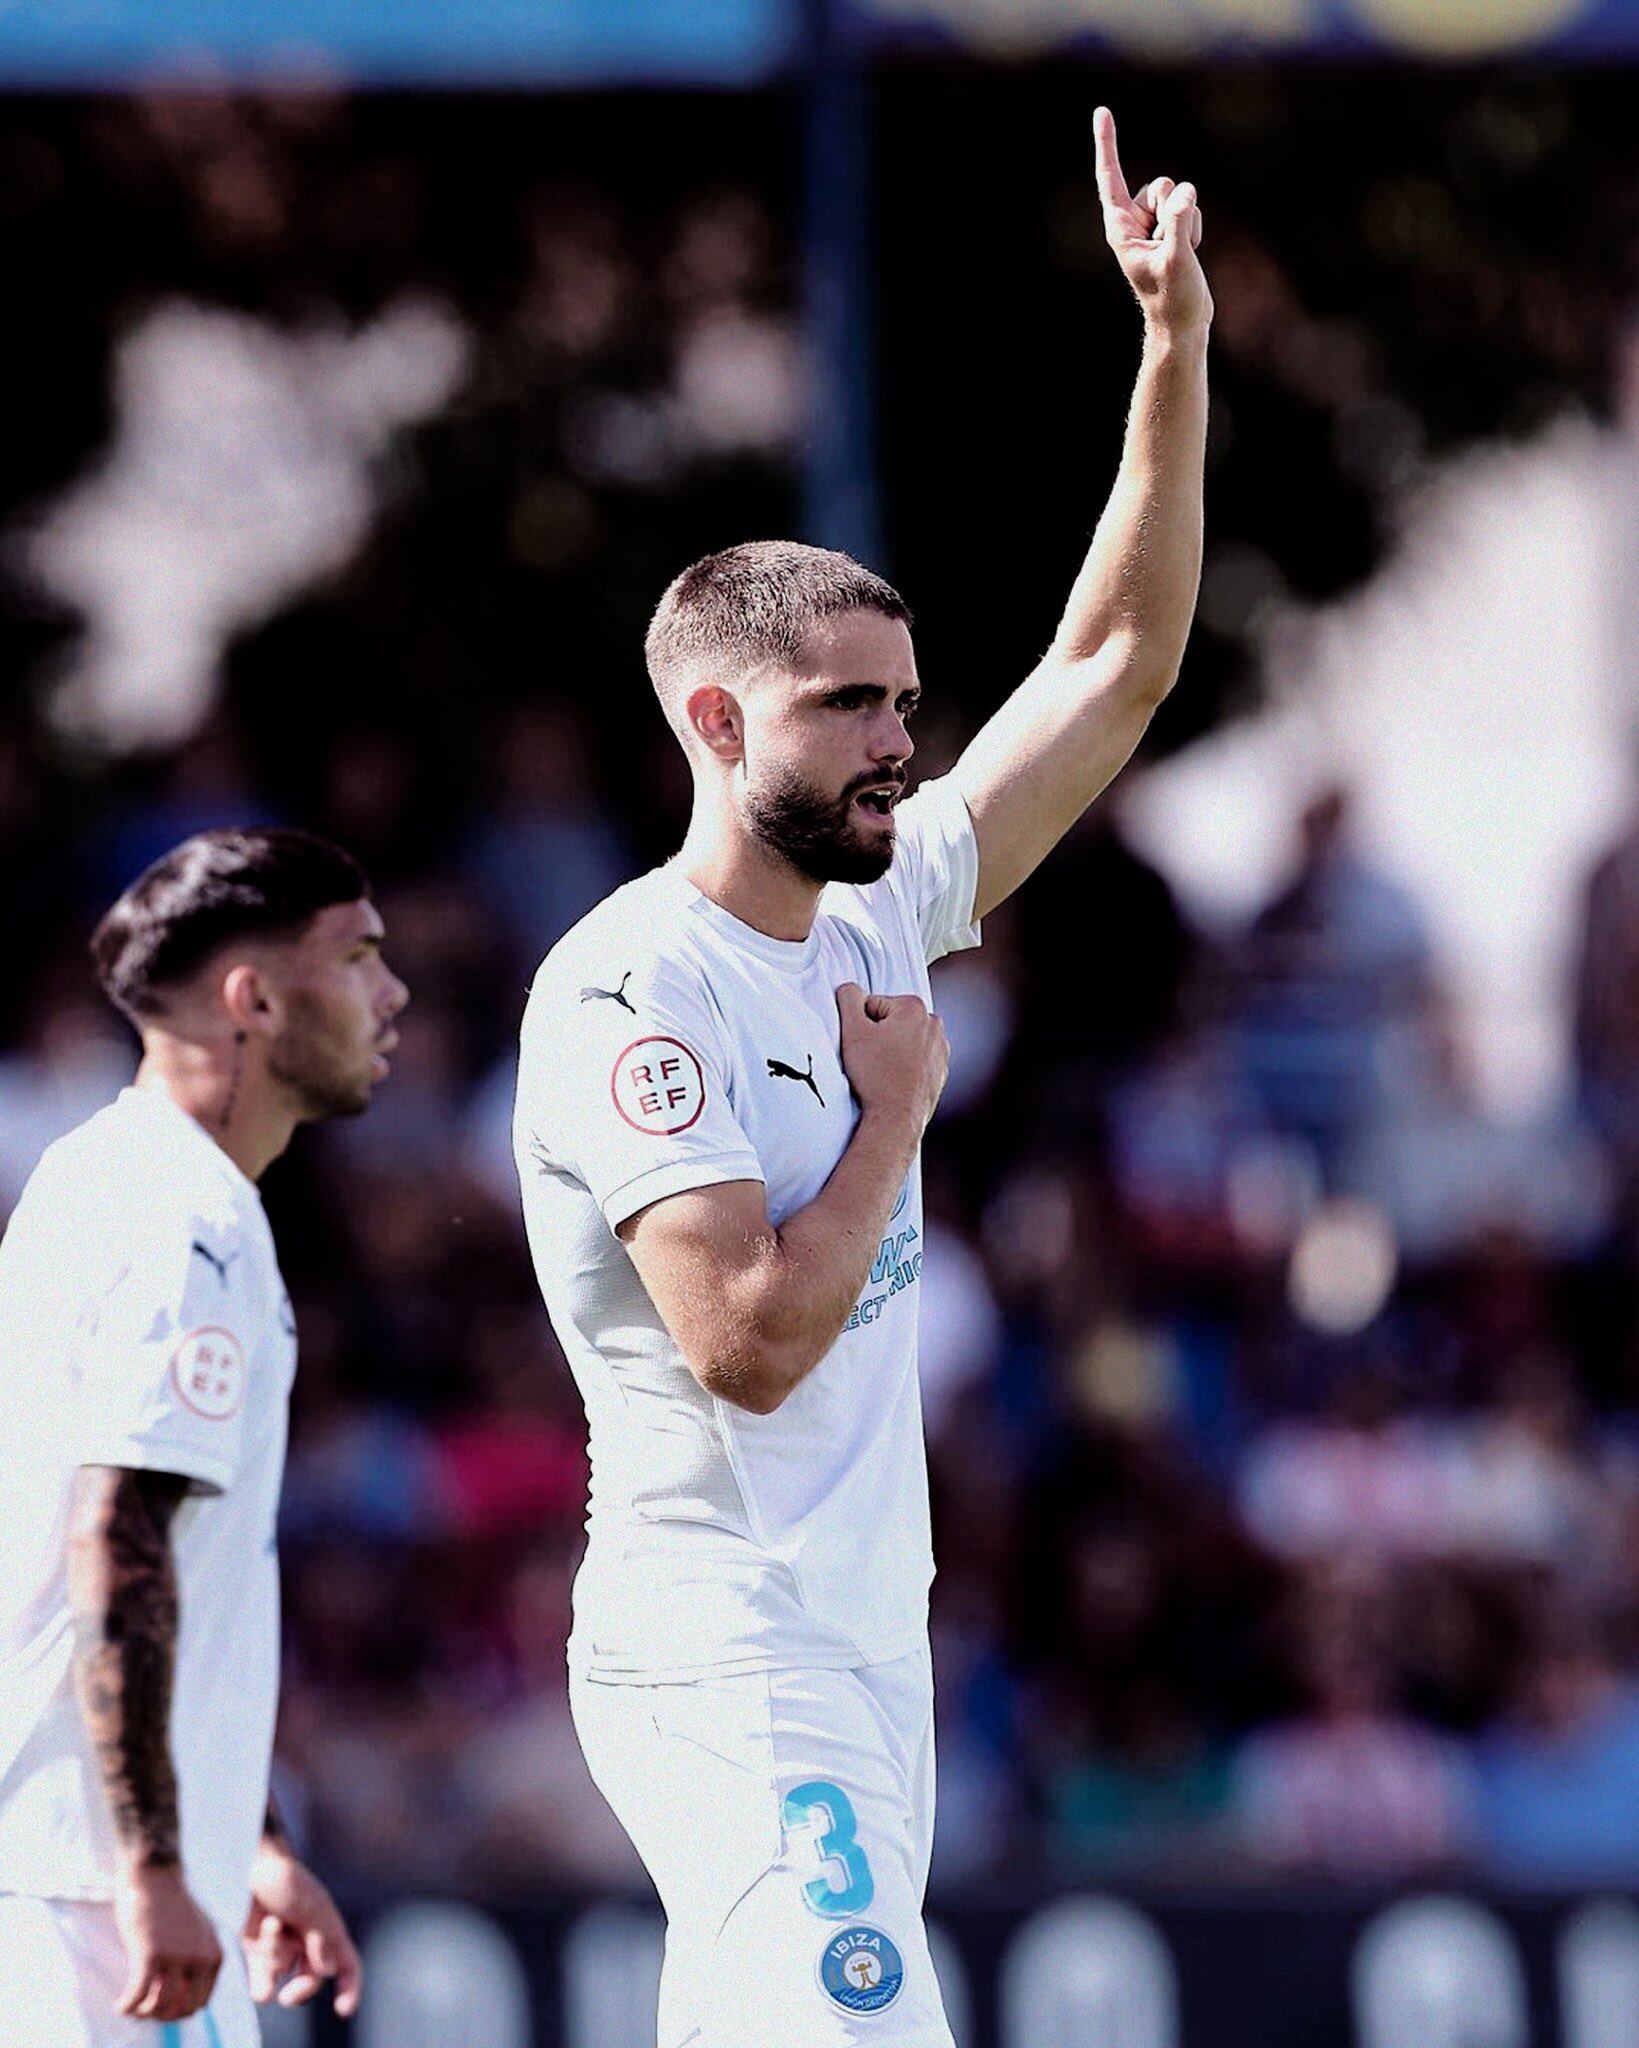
[(62, 1970), (143, 1323), (702, 1777), (669, 1046)]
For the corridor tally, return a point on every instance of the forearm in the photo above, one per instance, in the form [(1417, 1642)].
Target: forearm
[(1072, 725), (1136, 589), (823, 1254), (123, 1593)]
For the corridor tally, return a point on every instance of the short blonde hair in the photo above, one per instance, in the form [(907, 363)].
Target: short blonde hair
[(754, 603)]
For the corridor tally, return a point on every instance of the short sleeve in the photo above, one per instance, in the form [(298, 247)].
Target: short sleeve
[(936, 868), (163, 1354), (635, 1097)]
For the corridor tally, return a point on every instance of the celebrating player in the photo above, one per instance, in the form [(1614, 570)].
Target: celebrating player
[(146, 1354), (726, 1071)]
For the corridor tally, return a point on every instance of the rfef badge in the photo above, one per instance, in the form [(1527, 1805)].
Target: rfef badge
[(208, 1370), (659, 1086), (861, 1970)]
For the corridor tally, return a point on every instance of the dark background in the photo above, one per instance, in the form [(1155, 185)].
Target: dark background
[(1146, 1672)]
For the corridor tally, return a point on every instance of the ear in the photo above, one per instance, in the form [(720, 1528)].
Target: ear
[(251, 1001), (716, 720)]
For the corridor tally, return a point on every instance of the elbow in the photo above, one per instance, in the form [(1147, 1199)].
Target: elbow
[(760, 1396), (1151, 678), (1129, 674), (754, 1377), (1152, 683), (1146, 670), (754, 1347)]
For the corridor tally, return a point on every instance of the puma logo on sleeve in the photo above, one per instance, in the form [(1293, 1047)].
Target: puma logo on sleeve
[(592, 994), (219, 1266)]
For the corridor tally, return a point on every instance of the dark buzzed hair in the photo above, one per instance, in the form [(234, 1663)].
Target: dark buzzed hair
[(756, 602), (210, 891)]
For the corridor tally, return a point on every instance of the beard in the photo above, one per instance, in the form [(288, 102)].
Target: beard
[(818, 834), (320, 1076)]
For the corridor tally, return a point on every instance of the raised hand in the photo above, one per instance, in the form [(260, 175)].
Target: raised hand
[(1154, 234)]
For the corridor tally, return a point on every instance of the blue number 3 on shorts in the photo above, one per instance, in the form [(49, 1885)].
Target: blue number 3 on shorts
[(827, 1807)]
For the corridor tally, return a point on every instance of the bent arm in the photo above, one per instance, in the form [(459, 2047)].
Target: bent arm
[(754, 1307), (123, 1593)]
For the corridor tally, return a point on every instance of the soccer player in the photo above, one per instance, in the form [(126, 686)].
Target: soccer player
[(726, 1070), (146, 1354)]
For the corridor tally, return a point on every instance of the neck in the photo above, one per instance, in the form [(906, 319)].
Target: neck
[(222, 1085), (749, 879)]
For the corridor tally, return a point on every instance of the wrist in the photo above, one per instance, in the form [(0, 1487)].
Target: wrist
[(1172, 334), (143, 1865), (895, 1122), (274, 1849)]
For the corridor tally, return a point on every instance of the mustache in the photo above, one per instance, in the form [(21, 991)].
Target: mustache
[(883, 778)]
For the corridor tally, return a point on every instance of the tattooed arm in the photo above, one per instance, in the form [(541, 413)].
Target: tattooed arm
[(122, 1586), (123, 1591)]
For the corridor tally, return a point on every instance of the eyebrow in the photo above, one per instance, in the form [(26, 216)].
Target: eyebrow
[(825, 690)]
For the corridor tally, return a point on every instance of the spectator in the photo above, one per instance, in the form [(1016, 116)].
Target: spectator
[(1350, 1787), (1324, 982), (547, 851), (1558, 1780)]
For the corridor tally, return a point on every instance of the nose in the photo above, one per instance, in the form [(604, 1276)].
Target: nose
[(397, 996), (895, 742)]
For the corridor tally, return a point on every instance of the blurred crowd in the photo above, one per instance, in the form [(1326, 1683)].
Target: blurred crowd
[(1281, 1406), (1281, 1420)]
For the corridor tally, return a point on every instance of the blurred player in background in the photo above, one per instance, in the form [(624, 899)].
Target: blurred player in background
[(726, 1072), (146, 1354)]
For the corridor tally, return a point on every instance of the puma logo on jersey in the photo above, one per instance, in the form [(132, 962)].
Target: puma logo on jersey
[(609, 995), (782, 1072), (220, 1266)]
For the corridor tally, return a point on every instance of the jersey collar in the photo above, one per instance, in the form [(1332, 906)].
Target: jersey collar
[(156, 1102), (790, 956)]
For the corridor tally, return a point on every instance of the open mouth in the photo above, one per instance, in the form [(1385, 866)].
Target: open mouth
[(879, 801)]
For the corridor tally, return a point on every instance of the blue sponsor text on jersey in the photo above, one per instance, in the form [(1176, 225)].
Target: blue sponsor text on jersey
[(896, 1265)]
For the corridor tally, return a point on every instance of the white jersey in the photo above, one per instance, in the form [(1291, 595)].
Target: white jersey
[(669, 1046), (143, 1323)]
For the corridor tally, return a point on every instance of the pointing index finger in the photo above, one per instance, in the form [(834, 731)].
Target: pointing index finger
[(1112, 186)]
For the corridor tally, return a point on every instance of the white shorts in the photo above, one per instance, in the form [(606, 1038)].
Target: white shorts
[(786, 1818), (62, 1970)]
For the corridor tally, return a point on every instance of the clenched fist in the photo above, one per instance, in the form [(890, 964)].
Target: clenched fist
[(894, 1052)]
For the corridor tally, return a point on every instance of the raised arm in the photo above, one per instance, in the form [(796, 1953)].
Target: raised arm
[(754, 1307), (1072, 724), (122, 1588)]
